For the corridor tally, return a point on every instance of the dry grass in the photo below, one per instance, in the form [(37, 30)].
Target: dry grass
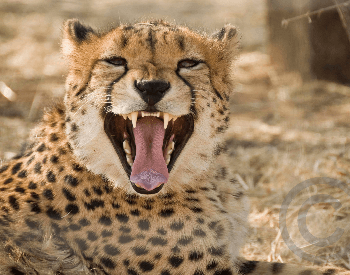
[(283, 131)]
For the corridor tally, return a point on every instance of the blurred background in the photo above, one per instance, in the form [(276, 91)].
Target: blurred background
[(290, 116)]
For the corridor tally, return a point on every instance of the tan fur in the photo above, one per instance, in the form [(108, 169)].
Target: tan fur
[(67, 205)]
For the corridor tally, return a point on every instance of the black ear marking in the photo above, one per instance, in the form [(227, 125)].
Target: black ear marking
[(226, 33), (77, 31)]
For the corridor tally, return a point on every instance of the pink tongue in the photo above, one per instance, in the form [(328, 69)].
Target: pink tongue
[(149, 169)]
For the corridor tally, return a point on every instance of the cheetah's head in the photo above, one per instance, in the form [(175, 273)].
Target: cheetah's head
[(147, 103)]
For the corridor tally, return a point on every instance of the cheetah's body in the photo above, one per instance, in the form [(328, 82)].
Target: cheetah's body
[(67, 205)]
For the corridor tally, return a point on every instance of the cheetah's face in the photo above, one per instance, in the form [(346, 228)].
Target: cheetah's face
[(141, 99)]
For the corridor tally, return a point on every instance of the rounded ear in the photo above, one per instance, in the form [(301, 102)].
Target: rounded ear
[(74, 33), (229, 37)]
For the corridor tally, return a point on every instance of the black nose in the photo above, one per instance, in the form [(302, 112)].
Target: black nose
[(152, 91)]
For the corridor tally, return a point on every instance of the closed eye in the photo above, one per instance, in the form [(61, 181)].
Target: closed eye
[(188, 63), (116, 61)]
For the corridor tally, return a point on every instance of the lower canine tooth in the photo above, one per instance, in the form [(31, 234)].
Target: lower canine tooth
[(126, 147), (129, 159), (167, 159)]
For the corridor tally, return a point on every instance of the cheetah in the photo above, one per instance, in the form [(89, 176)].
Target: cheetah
[(128, 175)]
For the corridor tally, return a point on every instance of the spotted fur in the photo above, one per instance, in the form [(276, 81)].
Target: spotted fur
[(67, 206)]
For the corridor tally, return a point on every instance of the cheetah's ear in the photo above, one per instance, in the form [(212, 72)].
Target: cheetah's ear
[(74, 33), (228, 35)]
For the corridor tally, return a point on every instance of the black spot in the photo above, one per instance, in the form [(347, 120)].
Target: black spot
[(143, 224), (104, 220), (32, 224), (185, 240), (94, 204), (32, 185), (157, 256), (9, 180), (69, 196), (20, 190), (74, 227), (147, 206), (125, 239), (35, 207), (87, 193), (224, 272), (69, 179), (115, 205), (37, 168), (53, 213), (97, 190), (216, 251), (199, 233), (126, 262), (51, 176), (277, 268), (198, 272), (106, 233), (41, 148), (30, 160), (125, 229), (180, 40), (122, 218), (111, 250), (165, 213), (48, 194), (161, 231), (44, 160), (132, 272), (200, 220), (190, 191), (146, 266), (13, 202), (81, 243), (175, 261), (165, 272), (76, 167), (15, 271), (195, 256), (139, 250), (176, 226), (54, 159), (16, 168), (84, 222), (74, 127), (196, 209), (72, 209), (34, 195), (158, 241), (4, 168), (247, 267), (53, 137), (135, 212), (23, 174), (211, 265)]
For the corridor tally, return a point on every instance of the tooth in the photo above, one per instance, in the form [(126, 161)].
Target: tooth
[(137, 185), (167, 159), (174, 118), (142, 113), (129, 159), (170, 148), (166, 120), (126, 147), (158, 114), (125, 116), (134, 119)]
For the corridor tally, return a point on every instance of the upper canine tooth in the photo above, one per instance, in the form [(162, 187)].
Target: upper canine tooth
[(142, 113), (125, 116), (158, 114), (134, 118), (166, 120)]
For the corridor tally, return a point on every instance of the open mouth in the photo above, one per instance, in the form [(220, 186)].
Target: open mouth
[(148, 144)]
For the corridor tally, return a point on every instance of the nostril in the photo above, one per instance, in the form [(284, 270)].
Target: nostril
[(152, 91)]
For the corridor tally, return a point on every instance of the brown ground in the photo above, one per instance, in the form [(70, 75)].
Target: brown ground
[(283, 131)]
